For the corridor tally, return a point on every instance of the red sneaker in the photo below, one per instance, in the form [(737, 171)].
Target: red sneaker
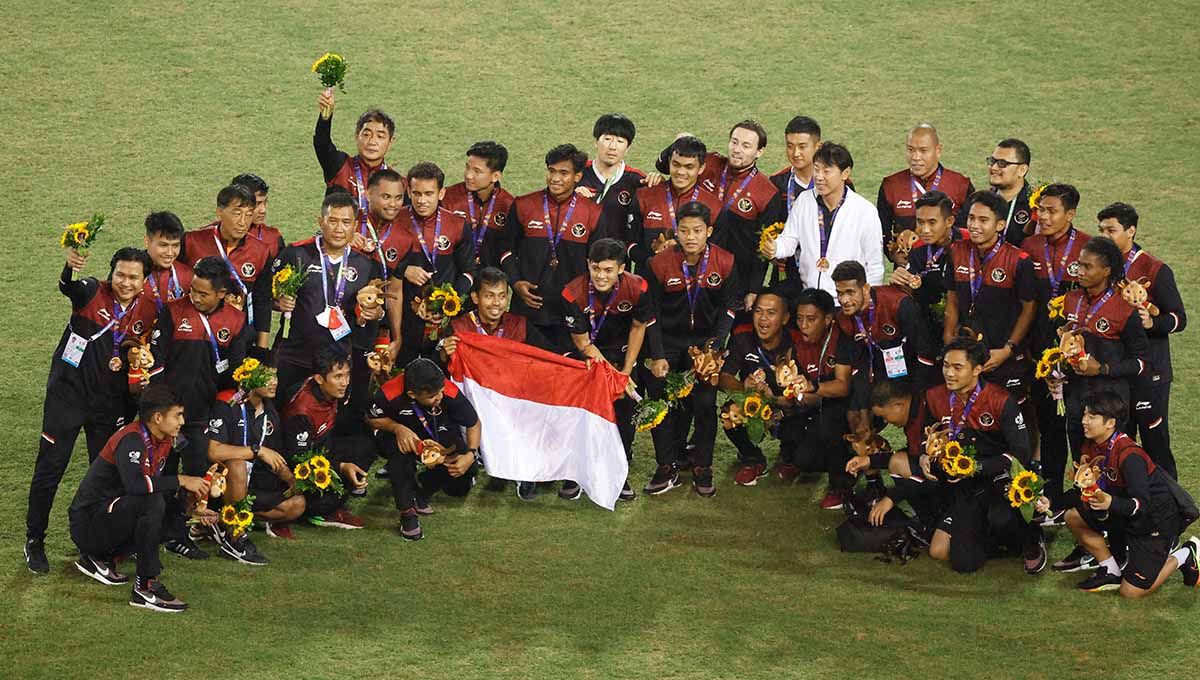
[(832, 501), (748, 475), (343, 519), (280, 530), (787, 472)]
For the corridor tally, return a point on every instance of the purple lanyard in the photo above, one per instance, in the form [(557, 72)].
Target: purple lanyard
[(866, 330), (1133, 255), (173, 292), (483, 331), (957, 428), (339, 288), (480, 227), (725, 178), (918, 190), (425, 423), (692, 284), (212, 339), (977, 281), (360, 193), (147, 460), (555, 235), (595, 322), (832, 220), (420, 230), (791, 183), (117, 333), (1109, 463), (379, 241), (1055, 279), (931, 260), (1092, 309), (671, 207)]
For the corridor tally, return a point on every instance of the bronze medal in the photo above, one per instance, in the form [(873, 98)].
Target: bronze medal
[(114, 364), (823, 264), (554, 263)]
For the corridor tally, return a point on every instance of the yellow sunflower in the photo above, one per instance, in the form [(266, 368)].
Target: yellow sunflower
[(685, 390), (949, 464), (1042, 370), (328, 56), (319, 462), (1026, 495), (964, 466), (302, 471), (451, 306), (229, 514), (765, 413), (1055, 306), (1024, 479), (439, 294), (321, 479), (1052, 355), (953, 449), (1035, 196), (752, 406), (244, 517)]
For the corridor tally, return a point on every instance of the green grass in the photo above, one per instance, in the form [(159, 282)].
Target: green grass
[(124, 109)]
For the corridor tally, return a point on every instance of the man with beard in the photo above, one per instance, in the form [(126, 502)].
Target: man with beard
[(1007, 167)]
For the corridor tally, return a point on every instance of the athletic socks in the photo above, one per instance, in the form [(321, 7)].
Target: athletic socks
[(1111, 566)]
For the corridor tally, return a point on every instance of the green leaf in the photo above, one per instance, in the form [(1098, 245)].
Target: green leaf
[(755, 430)]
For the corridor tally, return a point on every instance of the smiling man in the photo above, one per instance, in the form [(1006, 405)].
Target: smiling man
[(373, 135), (654, 213), (1007, 168), (481, 200), (169, 279)]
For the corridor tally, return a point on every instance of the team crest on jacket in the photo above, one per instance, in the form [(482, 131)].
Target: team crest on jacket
[(1073, 268), (830, 361), (223, 335), (986, 420), (889, 329), (184, 326), (499, 218), (578, 230), (1022, 216), (625, 306), (268, 428), (745, 205), (714, 279), (390, 254), (624, 197), (248, 269), (138, 327), (998, 275), (1102, 325), (443, 242), (351, 274)]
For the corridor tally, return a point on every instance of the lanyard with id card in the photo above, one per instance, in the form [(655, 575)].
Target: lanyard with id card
[(332, 318), (76, 345), (221, 365), (893, 362)]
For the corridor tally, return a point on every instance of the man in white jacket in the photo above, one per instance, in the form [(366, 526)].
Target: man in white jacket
[(830, 224)]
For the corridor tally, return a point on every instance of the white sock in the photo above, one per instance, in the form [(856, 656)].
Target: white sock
[(1111, 565), (1181, 555)]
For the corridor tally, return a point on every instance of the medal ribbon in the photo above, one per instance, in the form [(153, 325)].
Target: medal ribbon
[(555, 235), (956, 427), (419, 228), (339, 288), (1052, 271), (598, 323)]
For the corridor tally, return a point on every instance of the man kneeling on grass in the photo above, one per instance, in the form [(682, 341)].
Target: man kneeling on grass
[(121, 503), (420, 415), (1133, 501)]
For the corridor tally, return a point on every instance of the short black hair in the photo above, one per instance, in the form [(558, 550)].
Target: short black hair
[(488, 276), (426, 170), (936, 199), (1104, 248), (688, 147), (1066, 193), (803, 125), (164, 223), (567, 152), (615, 124), (753, 126), (821, 299), (214, 270), (375, 116), (384, 175), (607, 249), (1121, 212), (849, 270), (1022, 149), (1106, 404), (329, 359), (832, 153), (976, 351), (990, 200), (235, 192), (423, 376), (493, 154), (884, 392), (774, 291), (338, 199), (130, 254), (157, 398), (252, 182), (694, 209)]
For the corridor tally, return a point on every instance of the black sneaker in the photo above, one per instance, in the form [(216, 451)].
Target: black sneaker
[(1077, 560), (496, 484), (422, 505), (1099, 581), (156, 597), (665, 478), (35, 556), (201, 532), (382, 473), (527, 491), (627, 493), (103, 571), (570, 491), (410, 526), (186, 548), (241, 549), (702, 481), (1191, 566), (1035, 557)]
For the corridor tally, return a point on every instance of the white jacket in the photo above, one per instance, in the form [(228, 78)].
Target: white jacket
[(856, 235)]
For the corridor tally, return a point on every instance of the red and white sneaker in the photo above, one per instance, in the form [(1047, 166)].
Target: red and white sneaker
[(280, 530), (748, 475), (343, 519), (832, 501)]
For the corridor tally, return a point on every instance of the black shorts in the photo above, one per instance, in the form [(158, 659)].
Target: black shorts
[(268, 489), (1149, 541)]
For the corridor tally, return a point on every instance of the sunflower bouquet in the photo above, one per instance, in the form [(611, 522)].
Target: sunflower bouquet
[(237, 517), (1035, 195), (313, 473), (249, 376), (1024, 489), (80, 235), (747, 409), (331, 69), (650, 413), (957, 461), (437, 305), (679, 385), (1052, 369), (768, 234)]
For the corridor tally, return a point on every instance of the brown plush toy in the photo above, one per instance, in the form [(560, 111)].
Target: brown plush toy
[(1133, 292), (732, 416), (869, 445), (370, 297), (216, 487), (791, 380), (432, 453), (905, 241), (1087, 477), (707, 363), (1072, 346), (936, 438), (140, 362)]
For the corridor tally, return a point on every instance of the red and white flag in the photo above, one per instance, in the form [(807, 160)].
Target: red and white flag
[(544, 417)]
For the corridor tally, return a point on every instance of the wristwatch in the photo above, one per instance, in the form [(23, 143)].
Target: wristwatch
[(254, 449)]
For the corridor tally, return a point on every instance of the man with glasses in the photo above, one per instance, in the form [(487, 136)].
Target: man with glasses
[(1007, 167)]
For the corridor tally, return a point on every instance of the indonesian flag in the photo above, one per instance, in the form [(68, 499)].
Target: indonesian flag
[(544, 417)]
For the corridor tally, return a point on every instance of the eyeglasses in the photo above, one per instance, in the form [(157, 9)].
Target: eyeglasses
[(1000, 162)]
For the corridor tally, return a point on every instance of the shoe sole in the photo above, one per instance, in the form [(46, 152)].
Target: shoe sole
[(156, 608), (1082, 566), (1040, 568), (839, 506), (1104, 588), (99, 577), (752, 482), (704, 494), (411, 538), (30, 567), (237, 558), (658, 492), (577, 496), (338, 525), (1194, 544)]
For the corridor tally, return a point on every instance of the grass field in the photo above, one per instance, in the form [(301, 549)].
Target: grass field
[(124, 108)]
